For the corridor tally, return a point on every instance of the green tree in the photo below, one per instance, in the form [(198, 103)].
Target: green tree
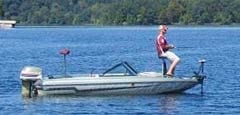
[(1, 8), (222, 18), (171, 13), (120, 12), (56, 14), (174, 11), (141, 16), (97, 13), (186, 19), (234, 8)]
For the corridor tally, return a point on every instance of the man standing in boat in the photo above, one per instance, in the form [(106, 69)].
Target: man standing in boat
[(163, 50)]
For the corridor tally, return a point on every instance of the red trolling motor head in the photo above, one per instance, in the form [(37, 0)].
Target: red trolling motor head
[(64, 51)]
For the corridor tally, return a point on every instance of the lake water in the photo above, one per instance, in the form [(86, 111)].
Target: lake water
[(98, 48)]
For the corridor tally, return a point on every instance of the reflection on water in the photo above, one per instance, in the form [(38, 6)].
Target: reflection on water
[(168, 103)]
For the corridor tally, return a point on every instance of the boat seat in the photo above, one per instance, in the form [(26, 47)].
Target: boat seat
[(164, 64)]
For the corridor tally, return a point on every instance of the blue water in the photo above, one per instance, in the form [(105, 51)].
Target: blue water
[(98, 48)]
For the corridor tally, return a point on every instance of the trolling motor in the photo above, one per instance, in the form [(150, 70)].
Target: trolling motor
[(200, 74), (65, 52)]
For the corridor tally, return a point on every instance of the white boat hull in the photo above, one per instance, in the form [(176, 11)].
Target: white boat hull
[(128, 85)]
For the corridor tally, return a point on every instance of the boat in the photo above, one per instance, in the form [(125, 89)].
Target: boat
[(7, 23), (129, 82)]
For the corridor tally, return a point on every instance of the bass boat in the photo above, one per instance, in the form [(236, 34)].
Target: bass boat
[(129, 82)]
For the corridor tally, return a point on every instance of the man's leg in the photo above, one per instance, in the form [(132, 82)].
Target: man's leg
[(174, 61), (173, 66)]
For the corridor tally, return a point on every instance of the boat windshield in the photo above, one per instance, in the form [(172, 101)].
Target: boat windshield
[(129, 69)]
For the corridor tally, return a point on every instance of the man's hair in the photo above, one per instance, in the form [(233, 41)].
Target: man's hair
[(161, 27)]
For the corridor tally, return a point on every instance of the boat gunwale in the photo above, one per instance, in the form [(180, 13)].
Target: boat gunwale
[(101, 82)]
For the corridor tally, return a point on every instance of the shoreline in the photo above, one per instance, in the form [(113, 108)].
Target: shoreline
[(126, 26), (95, 25)]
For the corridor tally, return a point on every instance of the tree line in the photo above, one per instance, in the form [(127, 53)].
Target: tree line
[(1, 8), (121, 12)]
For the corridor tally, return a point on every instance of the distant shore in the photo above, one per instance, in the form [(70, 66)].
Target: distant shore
[(106, 26)]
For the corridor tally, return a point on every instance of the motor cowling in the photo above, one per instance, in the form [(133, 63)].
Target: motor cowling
[(29, 75)]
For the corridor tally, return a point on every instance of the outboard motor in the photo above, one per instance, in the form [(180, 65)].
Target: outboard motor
[(29, 75)]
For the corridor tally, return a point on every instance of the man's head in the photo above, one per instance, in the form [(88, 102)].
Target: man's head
[(163, 29)]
